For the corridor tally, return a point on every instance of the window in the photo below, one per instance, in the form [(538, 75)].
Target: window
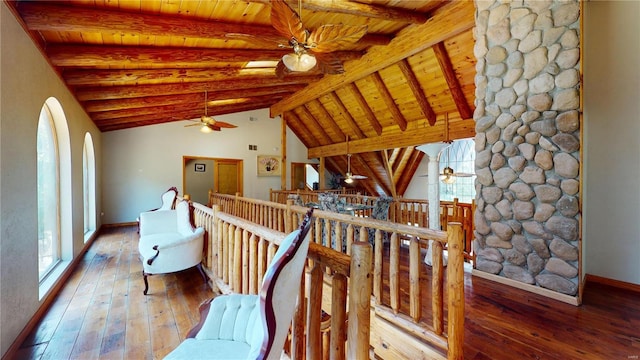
[(89, 186), (48, 179), (460, 156)]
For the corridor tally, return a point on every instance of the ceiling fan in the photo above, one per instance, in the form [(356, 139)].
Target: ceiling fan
[(207, 123), (349, 177), (310, 48)]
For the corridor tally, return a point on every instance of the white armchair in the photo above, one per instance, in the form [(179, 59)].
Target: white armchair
[(168, 202), (252, 326), (169, 242)]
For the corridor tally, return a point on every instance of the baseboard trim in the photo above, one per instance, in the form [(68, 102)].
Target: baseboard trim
[(48, 299), (572, 300), (589, 278), (132, 223)]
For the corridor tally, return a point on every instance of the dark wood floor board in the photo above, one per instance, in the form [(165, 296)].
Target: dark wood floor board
[(101, 313)]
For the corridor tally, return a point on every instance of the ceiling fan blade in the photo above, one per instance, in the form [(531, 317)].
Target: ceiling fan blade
[(222, 124), (328, 38), (358, 177), (198, 124), (329, 63), (214, 127), (286, 21), (463, 174)]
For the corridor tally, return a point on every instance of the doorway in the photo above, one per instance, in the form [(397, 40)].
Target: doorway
[(201, 174), (304, 176)]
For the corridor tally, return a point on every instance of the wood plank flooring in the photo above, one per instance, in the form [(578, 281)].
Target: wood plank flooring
[(102, 314)]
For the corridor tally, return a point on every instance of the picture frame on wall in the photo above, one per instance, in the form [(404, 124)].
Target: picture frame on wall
[(269, 165), (200, 167)]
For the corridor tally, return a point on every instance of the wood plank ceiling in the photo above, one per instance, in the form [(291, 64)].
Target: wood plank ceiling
[(408, 81)]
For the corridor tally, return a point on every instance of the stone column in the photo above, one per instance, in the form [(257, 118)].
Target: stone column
[(528, 141)]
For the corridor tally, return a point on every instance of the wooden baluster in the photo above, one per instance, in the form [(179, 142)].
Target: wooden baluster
[(299, 324), (237, 260), (327, 232), (359, 302), (314, 312), (253, 265), (415, 309), (377, 269), (338, 316), (262, 260), (437, 302), (245, 262), (394, 273), (225, 253), (455, 292)]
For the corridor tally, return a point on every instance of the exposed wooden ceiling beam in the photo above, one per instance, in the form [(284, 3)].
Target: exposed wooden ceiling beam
[(175, 108), (409, 171), (182, 115), (346, 115), (388, 100), (314, 126), (371, 117), (449, 20), (110, 105), (148, 56), (415, 135), (56, 17), (387, 166), (452, 81), (325, 118), (359, 160), (132, 91), (362, 10), (417, 91), (294, 122)]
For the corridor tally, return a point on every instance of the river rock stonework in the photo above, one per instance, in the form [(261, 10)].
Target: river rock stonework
[(528, 141)]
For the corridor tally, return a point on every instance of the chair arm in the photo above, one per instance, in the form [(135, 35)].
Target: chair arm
[(197, 234)]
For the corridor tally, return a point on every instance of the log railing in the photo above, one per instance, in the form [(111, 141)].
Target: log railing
[(237, 257), (394, 245)]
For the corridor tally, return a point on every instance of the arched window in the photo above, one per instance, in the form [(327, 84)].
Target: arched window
[(54, 193), (48, 170), (89, 186), (461, 157)]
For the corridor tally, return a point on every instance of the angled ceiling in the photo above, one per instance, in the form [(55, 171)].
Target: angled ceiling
[(408, 81)]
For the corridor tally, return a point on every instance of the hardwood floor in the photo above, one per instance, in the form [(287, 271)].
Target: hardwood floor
[(102, 314)]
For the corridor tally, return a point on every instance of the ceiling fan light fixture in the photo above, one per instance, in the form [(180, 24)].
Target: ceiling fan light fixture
[(299, 61), (348, 179), (205, 129)]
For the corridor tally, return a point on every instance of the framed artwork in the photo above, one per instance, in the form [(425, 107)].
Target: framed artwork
[(199, 167), (269, 165)]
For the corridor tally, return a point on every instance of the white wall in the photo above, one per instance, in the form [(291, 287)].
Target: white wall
[(417, 188), (141, 163), (27, 82), (611, 201)]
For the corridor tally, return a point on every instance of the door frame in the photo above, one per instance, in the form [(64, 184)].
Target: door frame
[(216, 161)]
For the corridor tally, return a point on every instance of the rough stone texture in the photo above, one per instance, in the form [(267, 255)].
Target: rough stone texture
[(540, 247), (566, 142), (568, 206), (518, 273), (528, 141), (560, 267), (563, 250), (535, 263), (543, 212), (488, 266), (491, 254), (557, 283), (523, 210), (547, 193)]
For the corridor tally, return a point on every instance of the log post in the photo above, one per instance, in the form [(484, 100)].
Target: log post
[(359, 301), (437, 297), (455, 292), (414, 280), (288, 219), (394, 273), (236, 261), (245, 262), (213, 247), (314, 312), (377, 269), (299, 324), (338, 316)]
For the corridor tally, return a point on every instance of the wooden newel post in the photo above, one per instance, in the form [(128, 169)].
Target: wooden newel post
[(359, 301), (455, 293)]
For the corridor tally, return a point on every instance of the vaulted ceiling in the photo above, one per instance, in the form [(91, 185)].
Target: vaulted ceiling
[(408, 81)]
